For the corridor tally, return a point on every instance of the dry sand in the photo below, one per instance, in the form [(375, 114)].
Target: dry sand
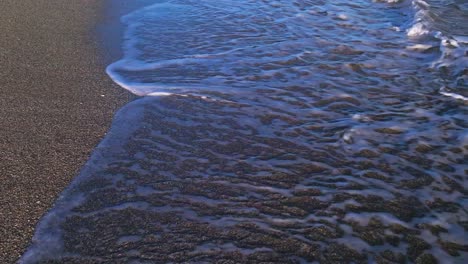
[(56, 104)]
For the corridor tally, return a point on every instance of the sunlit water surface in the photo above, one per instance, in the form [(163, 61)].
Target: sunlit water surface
[(278, 131)]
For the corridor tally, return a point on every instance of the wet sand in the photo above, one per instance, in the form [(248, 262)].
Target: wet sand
[(56, 105)]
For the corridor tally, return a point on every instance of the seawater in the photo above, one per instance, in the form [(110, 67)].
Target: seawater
[(281, 132)]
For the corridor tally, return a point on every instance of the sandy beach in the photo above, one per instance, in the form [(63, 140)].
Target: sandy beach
[(56, 105), (266, 131)]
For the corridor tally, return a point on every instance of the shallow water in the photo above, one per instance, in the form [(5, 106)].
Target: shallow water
[(303, 131)]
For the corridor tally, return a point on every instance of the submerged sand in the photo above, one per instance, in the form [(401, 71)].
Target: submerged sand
[(56, 104)]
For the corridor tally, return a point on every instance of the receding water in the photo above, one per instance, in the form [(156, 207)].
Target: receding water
[(278, 132)]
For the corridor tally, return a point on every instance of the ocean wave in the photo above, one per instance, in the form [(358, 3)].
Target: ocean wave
[(276, 131)]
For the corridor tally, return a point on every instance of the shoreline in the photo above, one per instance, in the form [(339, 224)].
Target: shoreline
[(57, 105), (109, 31)]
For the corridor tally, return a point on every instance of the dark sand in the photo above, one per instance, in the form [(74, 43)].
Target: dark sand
[(56, 104)]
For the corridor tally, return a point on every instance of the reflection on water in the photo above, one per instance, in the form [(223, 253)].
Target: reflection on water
[(299, 131)]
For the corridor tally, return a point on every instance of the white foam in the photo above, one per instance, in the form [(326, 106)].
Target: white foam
[(444, 91), (417, 30)]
